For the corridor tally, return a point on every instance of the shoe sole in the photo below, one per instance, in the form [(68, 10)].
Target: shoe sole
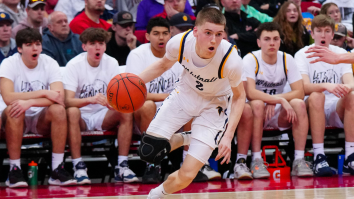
[(85, 181), (16, 185), (58, 183), (244, 177), (261, 177), (215, 178), (135, 179), (302, 175)]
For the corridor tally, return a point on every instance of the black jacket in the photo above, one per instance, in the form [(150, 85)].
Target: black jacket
[(293, 48), (247, 39), (273, 6)]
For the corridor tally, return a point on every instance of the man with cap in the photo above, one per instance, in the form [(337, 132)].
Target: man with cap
[(10, 7), (180, 22), (123, 40), (172, 7), (340, 37), (35, 17), (7, 44)]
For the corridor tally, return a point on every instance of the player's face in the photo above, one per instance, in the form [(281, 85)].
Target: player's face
[(95, 50), (322, 35), (338, 40), (292, 15), (5, 31), (158, 38), (269, 42), (209, 36), (30, 52)]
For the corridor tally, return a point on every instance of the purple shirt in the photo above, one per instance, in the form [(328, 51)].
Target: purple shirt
[(149, 8)]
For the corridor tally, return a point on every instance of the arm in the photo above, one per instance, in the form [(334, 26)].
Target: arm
[(157, 97), (338, 90), (297, 91), (254, 94), (71, 101), (348, 80), (326, 55), (156, 69)]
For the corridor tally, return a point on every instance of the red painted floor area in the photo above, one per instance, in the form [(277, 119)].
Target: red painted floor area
[(111, 189)]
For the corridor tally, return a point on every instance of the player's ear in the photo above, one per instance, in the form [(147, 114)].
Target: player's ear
[(195, 31), (84, 47), (147, 36), (19, 49), (259, 43)]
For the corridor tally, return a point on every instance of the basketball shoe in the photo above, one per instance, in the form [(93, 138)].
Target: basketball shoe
[(209, 172), (301, 168), (124, 174), (258, 169), (348, 167), (241, 171), (152, 174), (321, 167), (61, 177), (81, 173), (15, 178)]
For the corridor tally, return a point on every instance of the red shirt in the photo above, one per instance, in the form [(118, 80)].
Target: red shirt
[(164, 15), (81, 22)]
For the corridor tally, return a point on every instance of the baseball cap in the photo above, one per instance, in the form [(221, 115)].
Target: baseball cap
[(340, 30), (123, 17), (33, 3), (181, 19), (5, 17)]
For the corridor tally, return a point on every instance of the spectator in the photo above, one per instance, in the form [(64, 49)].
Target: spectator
[(202, 3), (241, 28), (267, 6), (90, 17), (331, 10), (294, 33), (172, 7), (123, 40), (58, 41), (127, 5), (32, 89), (149, 8), (252, 12), (346, 8), (11, 7), (180, 22), (7, 44), (70, 7), (35, 18), (49, 8), (340, 38)]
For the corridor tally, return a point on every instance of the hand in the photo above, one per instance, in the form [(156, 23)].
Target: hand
[(224, 150), (248, 28), (339, 90), (55, 96), (234, 36), (18, 107), (269, 111), (323, 54), (350, 33), (313, 10), (170, 11), (110, 107), (350, 42), (265, 6), (98, 99), (131, 41), (290, 113)]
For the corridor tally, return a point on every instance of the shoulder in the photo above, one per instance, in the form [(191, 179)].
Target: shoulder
[(301, 52), (108, 60), (143, 48), (47, 61), (78, 60), (337, 49), (177, 38), (11, 61)]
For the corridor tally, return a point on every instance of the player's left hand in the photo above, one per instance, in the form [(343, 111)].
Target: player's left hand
[(269, 111), (323, 54), (18, 107), (224, 150)]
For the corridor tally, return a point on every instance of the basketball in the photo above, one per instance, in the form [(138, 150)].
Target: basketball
[(126, 92)]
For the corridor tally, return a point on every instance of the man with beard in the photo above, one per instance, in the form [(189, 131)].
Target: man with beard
[(90, 17), (58, 40), (7, 44), (123, 40), (10, 7)]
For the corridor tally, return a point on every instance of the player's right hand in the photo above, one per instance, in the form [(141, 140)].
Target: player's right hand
[(99, 99), (338, 90), (18, 107), (269, 111), (55, 96), (290, 113)]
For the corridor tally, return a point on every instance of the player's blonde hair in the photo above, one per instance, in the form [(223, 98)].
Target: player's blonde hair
[(210, 15), (321, 21)]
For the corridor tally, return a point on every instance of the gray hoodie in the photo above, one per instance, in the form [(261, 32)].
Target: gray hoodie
[(25, 24)]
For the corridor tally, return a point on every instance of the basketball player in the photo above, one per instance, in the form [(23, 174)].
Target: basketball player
[(85, 81), (267, 71), (32, 89), (329, 88), (209, 85)]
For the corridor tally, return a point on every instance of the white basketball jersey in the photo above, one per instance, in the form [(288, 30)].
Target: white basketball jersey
[(208, 80)]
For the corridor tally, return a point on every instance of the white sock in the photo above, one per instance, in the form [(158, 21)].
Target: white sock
[(256, 155), (318, 149), (349, 149), (57, 158), (186, 138), (15, 163), (184, 154), (299, 154), (77, 160), (121, 158), (159, 191), (239, 156)]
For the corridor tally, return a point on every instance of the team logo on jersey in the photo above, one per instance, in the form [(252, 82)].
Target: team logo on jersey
[(265, 83), (32, 86), (91, 90), (329, 76), (261, 72), (220, 109), (198, 77)]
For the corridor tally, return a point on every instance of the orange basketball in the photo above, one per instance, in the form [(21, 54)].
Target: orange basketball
[(126, 92)]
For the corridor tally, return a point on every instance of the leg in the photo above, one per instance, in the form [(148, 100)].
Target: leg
[(317, 117), (75, 125), (345, 111), (258, 120), (145, 115)]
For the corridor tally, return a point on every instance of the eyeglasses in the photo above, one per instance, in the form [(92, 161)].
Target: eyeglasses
[(337, 37)]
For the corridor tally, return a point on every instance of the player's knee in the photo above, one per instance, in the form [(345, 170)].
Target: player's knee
[(7, 116), (125, 117), (57, 111), (153, 149), (316, 100), (299, 106), (350, 101), (257, 108), (186, 177), (247, 114), (148, 110), (74, 114)]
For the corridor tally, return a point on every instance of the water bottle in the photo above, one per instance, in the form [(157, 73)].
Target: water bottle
[(32, 174)]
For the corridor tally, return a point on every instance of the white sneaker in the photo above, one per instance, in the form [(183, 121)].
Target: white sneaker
[(80, 173), (258, 169), (210, 173), (242, 172), (154, 196), (124, 174)]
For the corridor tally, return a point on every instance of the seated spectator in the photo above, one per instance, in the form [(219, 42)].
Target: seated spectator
[(149, 8), (85, 81), (70, 7), (123, 40), (294, 33), (329, 88), (90, 17), (58, 41), (346, 9), (11, 7), (331, 10), (35, 17), (49, 8), (172, 7), (35, 103), (202, 3), (267, 6), (240, 27), (179, 23), (7, 44), (340, 38), (252, 12)]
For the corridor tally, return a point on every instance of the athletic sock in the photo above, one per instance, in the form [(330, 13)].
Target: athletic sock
[(186, 138), (122, 158), (57, 159), (184, 155), (77, 160), (349, 149), (160, 191), (16, 162), (299, 154), (256, 155), (239, 156), (318, 149)]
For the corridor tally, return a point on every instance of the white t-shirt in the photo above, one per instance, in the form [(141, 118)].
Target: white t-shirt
[(322, 72), (214, 79), (87, 81), (26, 80), (270, 79)]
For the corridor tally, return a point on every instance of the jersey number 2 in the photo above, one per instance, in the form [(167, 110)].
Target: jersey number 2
[(199, 85)]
